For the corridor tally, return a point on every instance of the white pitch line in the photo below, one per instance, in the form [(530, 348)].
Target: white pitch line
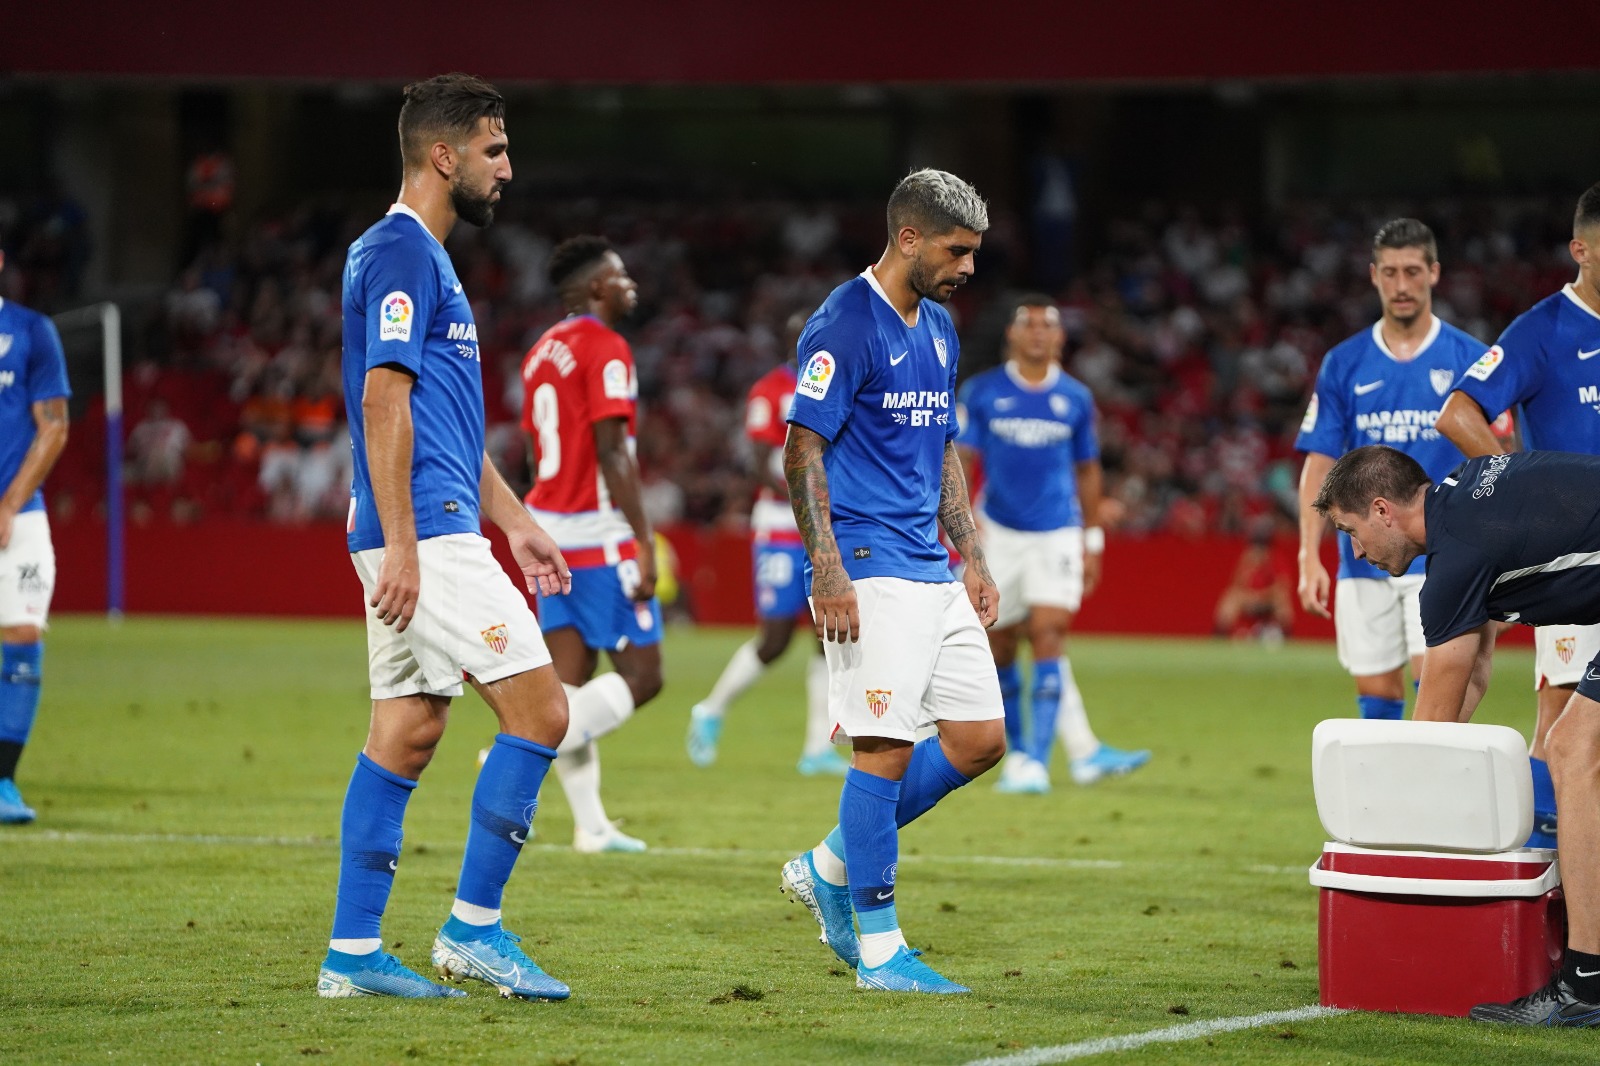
[(1039, 1056)]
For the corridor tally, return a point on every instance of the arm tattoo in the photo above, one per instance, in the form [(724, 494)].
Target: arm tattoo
[(955, 513), (808, 495)]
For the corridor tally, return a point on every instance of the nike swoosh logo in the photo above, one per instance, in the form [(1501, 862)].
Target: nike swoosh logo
[(1589, 355), (1581, 972), (518, 839), (1549, 829), (392, 866), (895, 360), (458, 288), (1362, 390), (886, 895)]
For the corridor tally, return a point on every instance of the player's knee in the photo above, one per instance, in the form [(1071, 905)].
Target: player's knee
[(773, 644), (1572, 747), (644, 681), (983, 749)]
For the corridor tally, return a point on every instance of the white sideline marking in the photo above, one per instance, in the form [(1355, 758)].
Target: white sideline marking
[(1039, 1056)]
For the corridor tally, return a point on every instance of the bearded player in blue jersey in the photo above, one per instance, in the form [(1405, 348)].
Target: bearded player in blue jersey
[(1032, 427), (33, 431), (873, 474), (439, 605), (1385, 385), (1545, 362)]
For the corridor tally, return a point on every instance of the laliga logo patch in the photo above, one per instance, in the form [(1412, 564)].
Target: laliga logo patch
[(614, 379), (1309, 422), (497, 638), (1442, 380), (939, 350), (1487, 364), (817, 376), (396, 315), (878, 701)]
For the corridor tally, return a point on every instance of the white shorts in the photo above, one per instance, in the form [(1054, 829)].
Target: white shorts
[(923, 656), (1033, 569), (1378, 623), (1562, 653), (470, 619), (27, 572)]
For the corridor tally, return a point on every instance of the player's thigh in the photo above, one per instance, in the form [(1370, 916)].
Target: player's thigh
[(1369, 626), (1007, 552), (27, 572), (878, 684), (1561, 654), (964, 686)]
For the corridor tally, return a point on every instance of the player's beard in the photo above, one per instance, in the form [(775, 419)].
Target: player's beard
[(471, 207), (926, 283)]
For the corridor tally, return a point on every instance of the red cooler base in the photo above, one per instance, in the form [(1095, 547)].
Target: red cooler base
[(1441, 953)]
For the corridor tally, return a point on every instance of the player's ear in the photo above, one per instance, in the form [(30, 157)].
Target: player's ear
[(443, 158), (907, 240)]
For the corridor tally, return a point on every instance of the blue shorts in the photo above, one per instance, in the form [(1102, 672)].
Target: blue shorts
[(780, 580), (599, 607)]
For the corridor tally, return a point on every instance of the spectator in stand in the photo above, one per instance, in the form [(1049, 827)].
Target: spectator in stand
[(158, 447)]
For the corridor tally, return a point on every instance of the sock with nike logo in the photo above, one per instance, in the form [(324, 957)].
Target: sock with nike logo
[(872, 854), (1544, 806), (369, 852), (1581, 971), (503, 804)]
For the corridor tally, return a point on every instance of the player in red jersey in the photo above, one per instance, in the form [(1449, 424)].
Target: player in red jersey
[(779, 559), (579, 398)]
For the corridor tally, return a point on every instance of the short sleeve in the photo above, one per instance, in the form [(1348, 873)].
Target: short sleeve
[(47, 363), (1325, 429), (972, 422), (1085, 437), (1455, 597), (400, 295), (834, 362), (608, 376), (1508, 373)]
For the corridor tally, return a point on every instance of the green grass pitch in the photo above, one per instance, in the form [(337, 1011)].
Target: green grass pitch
[(172, 902)]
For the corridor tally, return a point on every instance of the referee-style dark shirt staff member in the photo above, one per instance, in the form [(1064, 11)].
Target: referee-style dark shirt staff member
[(1508, 538)]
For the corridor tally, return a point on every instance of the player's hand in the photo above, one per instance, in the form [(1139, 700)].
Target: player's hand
[(833, 606), (1091, 571), (981, 590), (543, 567), (646, 587), (394, 596), (1313, 588)]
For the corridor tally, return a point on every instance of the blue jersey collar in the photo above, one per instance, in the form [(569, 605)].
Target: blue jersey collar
[(1427, 342), (402, 209), (1051, 376), (872, 279), (1572, 294)]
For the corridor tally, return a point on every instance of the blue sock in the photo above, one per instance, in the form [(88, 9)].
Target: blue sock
[(369, 848), (1011, 700), (1046, 705), (19, 691), (872, 845), (929, 778), (1544, 806), (503, 803), (1380, 707)]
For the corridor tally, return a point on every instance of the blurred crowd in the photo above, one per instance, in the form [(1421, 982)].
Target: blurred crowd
[(1199, 332)]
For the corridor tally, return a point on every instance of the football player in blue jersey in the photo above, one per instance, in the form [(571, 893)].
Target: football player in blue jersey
[(33, 431), (1506, 538), (873, 474), (1545, 362), (1032, 427), (1384, 385), (439, 605)]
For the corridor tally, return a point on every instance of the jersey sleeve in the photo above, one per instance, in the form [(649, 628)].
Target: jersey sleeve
[(1085, 437), (763, 422), (1508, 373), (1325, 429), (1455, 598), (608, 377), (47, 365), (834, 363), (400, 296), (972, 420)]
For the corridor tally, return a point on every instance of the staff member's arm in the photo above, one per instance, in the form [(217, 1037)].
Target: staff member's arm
[(1455, 676)]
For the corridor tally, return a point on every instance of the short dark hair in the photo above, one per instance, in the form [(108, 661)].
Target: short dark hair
[(1588, 213), (572, 255), (935, 202), (1033, 299), (1405, 233), (446, 107), (1362, 475)]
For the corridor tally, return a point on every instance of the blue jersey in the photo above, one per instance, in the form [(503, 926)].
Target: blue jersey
[(879, 392), (403, 307), (32, 368), (1364, 395), (1514, 538), (1545, 361), (1031, 439)]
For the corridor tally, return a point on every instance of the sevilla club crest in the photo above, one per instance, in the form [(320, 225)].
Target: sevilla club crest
[(878, 701), (497, 638)]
